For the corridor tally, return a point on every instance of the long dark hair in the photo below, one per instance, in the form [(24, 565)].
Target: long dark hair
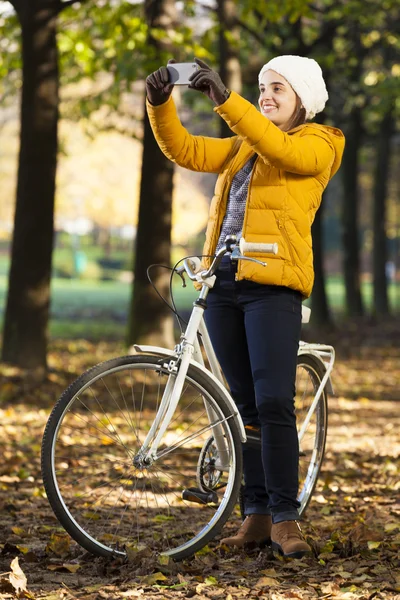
[(298, 117)]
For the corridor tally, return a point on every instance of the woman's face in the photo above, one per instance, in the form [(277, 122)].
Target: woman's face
[(277, 99)]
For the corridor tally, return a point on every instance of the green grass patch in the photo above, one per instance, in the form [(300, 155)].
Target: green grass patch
[(90, 329), (98, 309)]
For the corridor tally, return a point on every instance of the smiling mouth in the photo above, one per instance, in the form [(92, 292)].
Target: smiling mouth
[(268, 107)]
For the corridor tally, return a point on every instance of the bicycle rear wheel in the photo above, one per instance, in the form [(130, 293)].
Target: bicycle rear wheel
[(312, 445), (105, 502)]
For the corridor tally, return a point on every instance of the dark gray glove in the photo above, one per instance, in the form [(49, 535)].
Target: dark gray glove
[(209, 82), (157, 87)]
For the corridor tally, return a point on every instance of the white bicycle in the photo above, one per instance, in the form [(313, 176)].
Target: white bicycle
[(146, 450)]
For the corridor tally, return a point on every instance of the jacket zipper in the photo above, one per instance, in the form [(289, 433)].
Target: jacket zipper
[(245, 213), (281, 226)]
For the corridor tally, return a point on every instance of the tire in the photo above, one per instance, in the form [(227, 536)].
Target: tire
[(108, 504), (309, 375)]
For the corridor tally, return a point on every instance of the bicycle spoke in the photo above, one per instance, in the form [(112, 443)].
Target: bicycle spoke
[(103, 497), (127, 411), (89, 460), (117, 439), (116, 403), (116, 433)]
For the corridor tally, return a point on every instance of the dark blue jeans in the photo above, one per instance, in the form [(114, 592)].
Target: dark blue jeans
[(255, 332)]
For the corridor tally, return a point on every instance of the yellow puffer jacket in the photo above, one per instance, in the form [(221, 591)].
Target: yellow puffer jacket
[(289, 175)]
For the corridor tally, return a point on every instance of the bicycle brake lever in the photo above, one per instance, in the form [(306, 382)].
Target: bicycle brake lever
[(237, 256), (183, 279), (260, 262)]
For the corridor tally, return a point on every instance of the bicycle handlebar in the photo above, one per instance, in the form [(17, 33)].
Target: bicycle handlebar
[(257, 247), (192, 265)]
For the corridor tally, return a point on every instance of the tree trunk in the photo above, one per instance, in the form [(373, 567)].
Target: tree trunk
[(229, 64), (27, 311), (150, 320), (319, 303), (351, 252), (381, 178)]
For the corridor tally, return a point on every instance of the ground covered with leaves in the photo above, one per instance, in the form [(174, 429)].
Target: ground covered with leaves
[(352, 523)]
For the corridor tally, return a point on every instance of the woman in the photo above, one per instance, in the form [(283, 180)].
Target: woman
[(271, 178)]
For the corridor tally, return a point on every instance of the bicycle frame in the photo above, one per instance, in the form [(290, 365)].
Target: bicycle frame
[(189, 352)]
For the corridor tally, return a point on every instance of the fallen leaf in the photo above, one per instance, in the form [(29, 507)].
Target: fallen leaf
[(329, 587), (30, 556), (59, 544), (152, 579), (348, 590), (389, 527), (17, 577), (266, 581), (19, 531), (10, 549), (328, 547), (320, 499), (69, 567), (137, 553), (164, 560), (373, 545), (345, 574), (269, 572), (204, 551)]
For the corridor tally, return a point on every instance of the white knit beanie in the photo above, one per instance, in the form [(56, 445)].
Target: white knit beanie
[(305, 77)]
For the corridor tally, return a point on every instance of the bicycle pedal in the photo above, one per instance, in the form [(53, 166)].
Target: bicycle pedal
[(197, 495)]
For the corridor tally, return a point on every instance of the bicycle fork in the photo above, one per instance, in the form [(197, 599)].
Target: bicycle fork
[(147, 454)]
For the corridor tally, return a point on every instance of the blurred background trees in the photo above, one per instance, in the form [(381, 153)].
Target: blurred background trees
[(86, 196)]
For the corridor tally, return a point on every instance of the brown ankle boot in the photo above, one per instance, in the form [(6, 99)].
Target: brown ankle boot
[(254, 529), (287, 539)]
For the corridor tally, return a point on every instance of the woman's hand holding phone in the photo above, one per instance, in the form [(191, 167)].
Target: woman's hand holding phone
[(159, 86), (208, 82)]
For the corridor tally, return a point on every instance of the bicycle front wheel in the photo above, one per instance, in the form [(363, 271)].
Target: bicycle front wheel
[(105, 501)]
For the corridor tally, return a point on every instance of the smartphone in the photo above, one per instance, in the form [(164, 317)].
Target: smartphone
[(179, 73)]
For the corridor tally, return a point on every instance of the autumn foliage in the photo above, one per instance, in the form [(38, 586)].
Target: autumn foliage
[(352, 524)]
